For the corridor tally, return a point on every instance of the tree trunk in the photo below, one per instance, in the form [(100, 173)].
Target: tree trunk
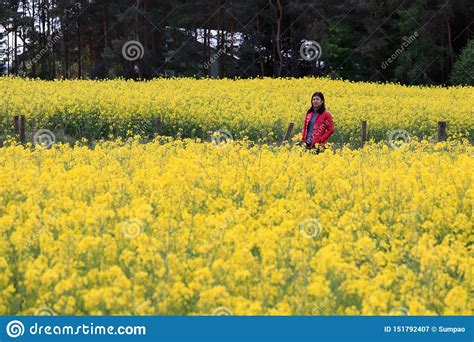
[(48, 35), (44, 60), (66, 50), (260, 57), (92, 54), (209, 49), (8, 52), (79, 49), (278, 38), (450, 43), (15, 36), (220, 41)]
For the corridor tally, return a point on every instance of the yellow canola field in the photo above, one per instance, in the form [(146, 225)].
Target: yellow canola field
[(181, 228), (256, 108)]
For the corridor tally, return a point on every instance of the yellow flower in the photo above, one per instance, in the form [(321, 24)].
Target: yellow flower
[(185, 228)]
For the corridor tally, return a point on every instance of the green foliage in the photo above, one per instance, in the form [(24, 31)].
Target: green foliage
[(463, 69), (237, 38)]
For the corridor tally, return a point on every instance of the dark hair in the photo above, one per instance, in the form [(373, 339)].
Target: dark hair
[(321, 96)]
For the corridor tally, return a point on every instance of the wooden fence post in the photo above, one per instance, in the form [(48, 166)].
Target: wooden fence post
[(363, 133), (22, 129), (288, 132), (158, 126), (16, 125), (19, 124), (442, 135)]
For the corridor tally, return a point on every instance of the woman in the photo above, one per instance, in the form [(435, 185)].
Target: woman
[(318, 124)]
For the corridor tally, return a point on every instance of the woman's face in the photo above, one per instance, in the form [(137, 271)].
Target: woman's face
[(317, 102)]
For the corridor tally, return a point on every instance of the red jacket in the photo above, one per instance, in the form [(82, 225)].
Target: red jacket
[(322, 130)]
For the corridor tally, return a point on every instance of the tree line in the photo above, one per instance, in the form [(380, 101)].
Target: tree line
[(406, 41)]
